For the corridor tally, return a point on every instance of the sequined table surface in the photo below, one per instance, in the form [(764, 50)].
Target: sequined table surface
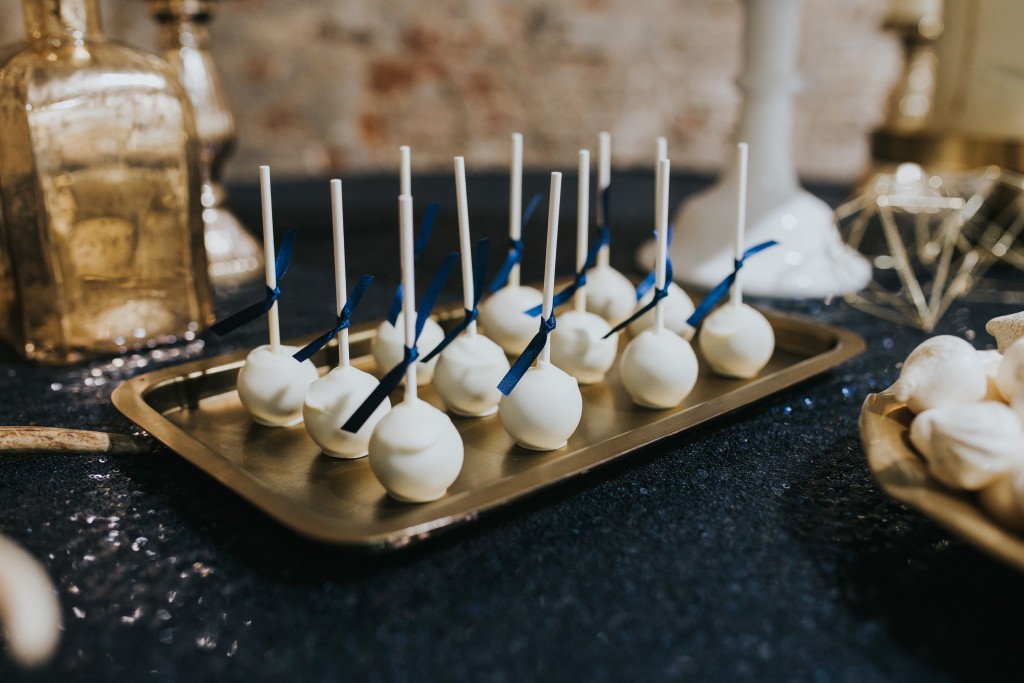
[(756, 547)]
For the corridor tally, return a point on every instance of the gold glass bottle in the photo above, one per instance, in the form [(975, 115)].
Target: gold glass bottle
[(101, 234), (233, 253)]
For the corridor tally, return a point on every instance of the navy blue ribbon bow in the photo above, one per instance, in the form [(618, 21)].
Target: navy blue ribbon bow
[(515, 249), (648, 282), (659, 294), (579, 280), (720, 290), (342, 321), (421, 243), (526, 358), (250, 313), (393, 378), (479, 273)]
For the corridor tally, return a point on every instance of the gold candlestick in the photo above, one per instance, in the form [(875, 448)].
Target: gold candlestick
[(184, 40)]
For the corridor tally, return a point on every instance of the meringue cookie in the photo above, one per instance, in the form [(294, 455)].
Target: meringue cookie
[(941, 371), (610, 294), (579, 348), (677, 306), (1004, 498), (467, 375), (1010, 375), (990, 361), (272, 385), (330, 401), (389, 347), (658, 369), (543, 410), (504, 320), (973, 444), (736, 341), (1006, 329), (416, 452)]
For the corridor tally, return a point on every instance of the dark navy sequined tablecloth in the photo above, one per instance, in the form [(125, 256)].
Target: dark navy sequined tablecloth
[(756, 547)]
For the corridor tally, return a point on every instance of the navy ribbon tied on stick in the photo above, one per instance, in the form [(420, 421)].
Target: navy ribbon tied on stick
[(421, 243), (250, 313), (342, 321), (648, 282), (393, 378), (659, 294), (526, 358), (515, 249), (479, 273), (720, 290), (570, 289)]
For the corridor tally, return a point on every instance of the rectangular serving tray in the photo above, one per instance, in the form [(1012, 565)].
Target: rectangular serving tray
[(194, 409)]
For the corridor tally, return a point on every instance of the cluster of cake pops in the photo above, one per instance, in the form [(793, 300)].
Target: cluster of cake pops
[(414, 449)]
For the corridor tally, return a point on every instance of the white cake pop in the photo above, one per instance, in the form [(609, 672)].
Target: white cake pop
[(502, 313), (469, 369), (271, 385), (332, 399), (578, 344), (545, 406), (735, 339), (415, 451), (389, 342), (658, 367), (610, 294)]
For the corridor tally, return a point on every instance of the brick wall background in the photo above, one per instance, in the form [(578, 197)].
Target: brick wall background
[(334, 86)]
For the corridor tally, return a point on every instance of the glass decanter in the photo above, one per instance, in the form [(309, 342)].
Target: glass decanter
[(101, 233), (184, 41)]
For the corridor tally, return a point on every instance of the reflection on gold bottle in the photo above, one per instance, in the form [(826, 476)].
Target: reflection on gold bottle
[(101, 235)]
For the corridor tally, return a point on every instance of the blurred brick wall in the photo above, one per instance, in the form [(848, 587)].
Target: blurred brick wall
[(334, 86)]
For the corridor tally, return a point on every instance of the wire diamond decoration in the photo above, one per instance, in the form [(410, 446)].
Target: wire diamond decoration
[(931, 238)]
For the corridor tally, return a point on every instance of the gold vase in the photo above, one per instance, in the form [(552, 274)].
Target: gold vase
[(101, 234)]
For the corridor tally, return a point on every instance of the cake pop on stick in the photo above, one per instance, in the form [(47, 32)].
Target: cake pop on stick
[(415, 451), (677, 306), (501, 314), (332, 399), (389, 341), (736, 340), (658, 367), (580, 345), (271, 385), (470, 364), (610, 294), (542, 405)]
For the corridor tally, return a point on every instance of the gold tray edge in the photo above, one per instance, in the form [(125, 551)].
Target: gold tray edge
[(900, 472)]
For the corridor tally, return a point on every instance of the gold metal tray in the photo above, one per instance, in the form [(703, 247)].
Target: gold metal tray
[(900, 471), (194, 410)]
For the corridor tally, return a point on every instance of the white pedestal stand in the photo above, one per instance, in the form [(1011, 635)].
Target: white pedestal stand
[(811, 260)]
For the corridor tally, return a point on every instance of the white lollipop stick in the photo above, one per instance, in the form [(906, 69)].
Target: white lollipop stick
[(408, 289), (661, 212), (515, 207), (464, 244), (604, 180), (736, 296), (340, 287), (549, 257), (405, 172), (269, 257), (662, 145), (582, 221)]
